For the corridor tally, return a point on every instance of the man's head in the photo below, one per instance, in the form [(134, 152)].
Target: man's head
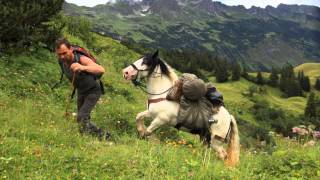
[(64, 50)]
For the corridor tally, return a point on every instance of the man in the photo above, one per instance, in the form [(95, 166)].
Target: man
[(83, 72)]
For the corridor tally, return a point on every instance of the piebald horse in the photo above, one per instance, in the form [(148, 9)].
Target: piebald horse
[(160, 78)]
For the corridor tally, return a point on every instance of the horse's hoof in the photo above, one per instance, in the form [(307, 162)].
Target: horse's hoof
[(222, 156), (141, 133), (147, 133), (144, 133)]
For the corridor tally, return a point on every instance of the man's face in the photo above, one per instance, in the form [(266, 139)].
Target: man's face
[(64, 53)]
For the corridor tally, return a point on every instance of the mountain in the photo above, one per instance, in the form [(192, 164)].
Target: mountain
[(257, 37)]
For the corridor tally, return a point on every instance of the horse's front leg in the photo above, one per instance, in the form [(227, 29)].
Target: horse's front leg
[(155, 124), (140, 123)]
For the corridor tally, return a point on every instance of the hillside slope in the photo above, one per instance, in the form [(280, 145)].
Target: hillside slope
[(310, 69), (36, 142)]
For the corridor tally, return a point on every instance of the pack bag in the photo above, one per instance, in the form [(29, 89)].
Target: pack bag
[(79, 51), (193, 88), (195, 109), (197, 100), (189, 86), (214, 96)]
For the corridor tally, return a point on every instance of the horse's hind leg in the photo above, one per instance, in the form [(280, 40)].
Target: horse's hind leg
[(217, 145), (205, 139), (140, 123)]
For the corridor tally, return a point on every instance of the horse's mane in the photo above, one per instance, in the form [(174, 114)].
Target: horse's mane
[(172, 75), (152, 63)]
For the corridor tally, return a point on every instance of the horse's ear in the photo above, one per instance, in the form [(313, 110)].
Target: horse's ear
[(155, 55)]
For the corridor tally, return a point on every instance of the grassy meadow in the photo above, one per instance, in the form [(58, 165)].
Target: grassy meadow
[(37, 142)]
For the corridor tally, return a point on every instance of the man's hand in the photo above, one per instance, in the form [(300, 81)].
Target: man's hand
[(76, 67)]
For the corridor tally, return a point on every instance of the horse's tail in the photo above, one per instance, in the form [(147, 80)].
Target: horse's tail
[(233, 149)]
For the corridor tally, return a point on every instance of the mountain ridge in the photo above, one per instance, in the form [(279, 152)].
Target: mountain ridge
[(205, 25)]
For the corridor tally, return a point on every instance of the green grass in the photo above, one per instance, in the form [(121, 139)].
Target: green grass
[(37, 142), (235, 96), (309, 69)]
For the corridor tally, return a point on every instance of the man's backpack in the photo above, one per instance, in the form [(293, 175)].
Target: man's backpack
[(79, 51)]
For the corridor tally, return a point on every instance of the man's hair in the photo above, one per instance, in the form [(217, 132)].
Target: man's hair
[(61, 41)]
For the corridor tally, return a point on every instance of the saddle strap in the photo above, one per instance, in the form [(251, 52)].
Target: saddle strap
[(155, 101)]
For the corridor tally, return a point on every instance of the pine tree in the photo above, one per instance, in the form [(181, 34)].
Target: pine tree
[(245, 74), (25, 23), (293, 88), (286, 73), (300, 77), (310, 110), (304, 81), (273, 78), (236, 72), (306, 84), (289, 84), (317, 85), (259, 79), (221, 70)]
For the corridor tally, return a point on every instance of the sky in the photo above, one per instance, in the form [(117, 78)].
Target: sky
[(246, 3)]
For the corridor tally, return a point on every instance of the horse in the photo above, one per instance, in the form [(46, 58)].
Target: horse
[(160, 78)]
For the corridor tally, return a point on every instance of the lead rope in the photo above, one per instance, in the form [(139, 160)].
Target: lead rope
[(144, 88)]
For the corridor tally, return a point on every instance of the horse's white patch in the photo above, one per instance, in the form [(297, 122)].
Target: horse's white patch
[(222, 124)]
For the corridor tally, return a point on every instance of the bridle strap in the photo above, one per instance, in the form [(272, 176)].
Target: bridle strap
[(139, 70), (141, 86), (134, 67)]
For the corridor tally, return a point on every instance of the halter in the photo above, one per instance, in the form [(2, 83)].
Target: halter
[(143, 86)]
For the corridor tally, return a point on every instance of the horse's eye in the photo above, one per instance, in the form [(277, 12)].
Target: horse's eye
[(144, 61)]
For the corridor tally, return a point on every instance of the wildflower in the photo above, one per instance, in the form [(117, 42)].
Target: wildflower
[(300, 130), (316, 134), (310, 143)]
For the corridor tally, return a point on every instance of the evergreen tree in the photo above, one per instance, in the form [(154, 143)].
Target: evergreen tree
[(259, 79), (286, 73), (289, 83), (310, 110), (304, 81), (245, 74), (236, 72), (300, 77), (25, 23), (306, 84), (273, 78), (317, 85), (221, 70), (293, 88)]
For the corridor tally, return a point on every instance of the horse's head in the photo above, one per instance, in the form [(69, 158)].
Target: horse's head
[(144, 67)]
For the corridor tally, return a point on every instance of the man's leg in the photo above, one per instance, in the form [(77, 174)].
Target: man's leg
[(85, 105)]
